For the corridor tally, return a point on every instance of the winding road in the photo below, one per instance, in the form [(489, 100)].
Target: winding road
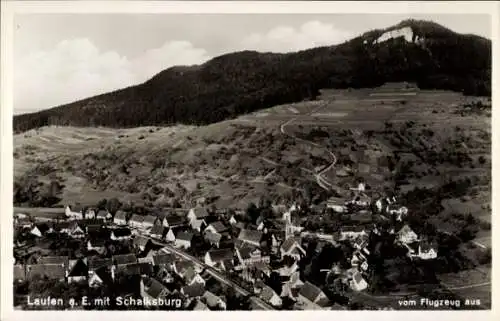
[(322, 182)]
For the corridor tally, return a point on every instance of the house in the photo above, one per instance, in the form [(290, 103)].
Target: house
[(170, 236), (212, 238), (90, 213), (164, 260), (148, 258), (311, 297), (94, 263), (55, 260), (124, 259), (288, 269), (381, 204), (251, 237), (275, 242), (198, 225), (226, 265), (336, 204), (191, 276), (232, 220), (193, 291), (427, 251), (99, 277), (183, 240), (77, 230), (97, 229), (24, 222), (361, 243), (399, 212), (406, 235), (358, 283), (148, 221), (216, 228), (360, 188), (197, 213), (294, 226), (361, 200), (291, 247), (268, 295), (136, 221), (78, 271), (249, 255), (352, 232), (19, 273), (50, 271), (120, 218), (141, 242), (181, 267), (61, 227), (359, 259), (158, 231), (74, 212), (263, 269), (173, 221), (196, 217), (138, 268), (98, 245), (216, 257), (104, 215), (152, 288), (165, 275), (41, 229), (291, 287), (200, 306), (213, 301), (119, 234), (20, 215), (261, 223)]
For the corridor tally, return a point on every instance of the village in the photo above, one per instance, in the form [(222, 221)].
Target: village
[(216, 259)]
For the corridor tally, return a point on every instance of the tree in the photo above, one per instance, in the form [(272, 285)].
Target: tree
[(102, 203), (253, 213), (113, 205), (275, 282)]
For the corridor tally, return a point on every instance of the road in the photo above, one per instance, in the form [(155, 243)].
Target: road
[(214, 273), (322, 182)]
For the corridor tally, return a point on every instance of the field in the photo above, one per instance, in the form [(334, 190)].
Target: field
[(470, 284), (266, 154)]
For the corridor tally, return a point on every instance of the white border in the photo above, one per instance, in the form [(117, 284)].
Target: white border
[(9, 8)]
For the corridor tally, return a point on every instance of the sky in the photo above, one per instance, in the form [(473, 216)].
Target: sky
[(61, 58)]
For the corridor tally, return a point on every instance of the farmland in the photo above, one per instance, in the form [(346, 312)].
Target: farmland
[(392, 137)]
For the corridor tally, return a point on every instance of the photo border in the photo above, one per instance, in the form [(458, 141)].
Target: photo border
[(10, 8)]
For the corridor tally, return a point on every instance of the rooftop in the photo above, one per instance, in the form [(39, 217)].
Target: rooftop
[(163, 259), (218, 226), (310, 291), (185, 236), (251, 236), (220, 255), (137, 218), (125, 259), (200, 212)]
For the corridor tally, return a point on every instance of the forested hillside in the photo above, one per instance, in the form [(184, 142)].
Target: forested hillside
[(242, 82)]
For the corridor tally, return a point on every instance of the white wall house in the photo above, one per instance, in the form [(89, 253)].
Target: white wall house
[(358, 283)]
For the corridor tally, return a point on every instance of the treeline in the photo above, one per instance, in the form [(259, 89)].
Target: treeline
[(242, 82)]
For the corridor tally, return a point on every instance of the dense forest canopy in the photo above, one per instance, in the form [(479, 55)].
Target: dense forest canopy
[(242, 82)]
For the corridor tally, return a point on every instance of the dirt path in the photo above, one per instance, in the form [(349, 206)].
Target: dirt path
[(322, 181)]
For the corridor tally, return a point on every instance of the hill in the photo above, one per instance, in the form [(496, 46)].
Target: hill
[(423, 52)]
